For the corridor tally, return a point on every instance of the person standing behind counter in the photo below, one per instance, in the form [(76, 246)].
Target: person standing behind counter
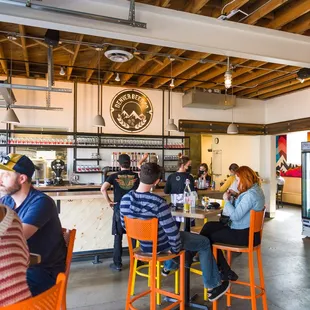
[(230, 183), (203, 177), (123, 182)]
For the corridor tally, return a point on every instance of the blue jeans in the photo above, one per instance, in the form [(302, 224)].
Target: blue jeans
[(200, 244), (39, 280)]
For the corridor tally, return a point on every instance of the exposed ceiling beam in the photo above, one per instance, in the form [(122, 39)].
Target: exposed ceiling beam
[(138, 63), (182, 30), (2, 61), (273, 85), (154, 69), (291, 88), (261, 81), (194, 6), (289, 13), (163, 3), (178, 68), (198, 69), (93, 64), (73, 58), (300, 25), (24, 45), (263, 11)]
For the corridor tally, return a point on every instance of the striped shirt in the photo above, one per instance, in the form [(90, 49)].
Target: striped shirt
[(147, 206), (14, 259)]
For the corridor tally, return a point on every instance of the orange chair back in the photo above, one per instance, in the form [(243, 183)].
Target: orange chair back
[(49, 300), (256, 225), (69, 236), (145, 230)]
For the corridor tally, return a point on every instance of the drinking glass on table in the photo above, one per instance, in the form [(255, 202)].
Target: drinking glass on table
[(205, 202)]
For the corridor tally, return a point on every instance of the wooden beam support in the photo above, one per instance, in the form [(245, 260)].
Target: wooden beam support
[(40, 42), (2, 61), (265, 9), (153, 70), (24, 46), (108, 75), (73, 58), (300, 25), (194, 6), (179, 68), (139, 64), (291, 88), (289, 13)]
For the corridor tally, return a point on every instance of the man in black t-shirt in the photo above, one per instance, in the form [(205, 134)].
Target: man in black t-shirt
[(123, 182)]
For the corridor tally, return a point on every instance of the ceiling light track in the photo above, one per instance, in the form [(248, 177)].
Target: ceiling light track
[(126, 22)]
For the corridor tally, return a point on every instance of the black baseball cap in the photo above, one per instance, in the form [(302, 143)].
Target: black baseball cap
[(18, 163), (124, 159)]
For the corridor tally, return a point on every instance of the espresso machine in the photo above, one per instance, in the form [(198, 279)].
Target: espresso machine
[(58, 166)]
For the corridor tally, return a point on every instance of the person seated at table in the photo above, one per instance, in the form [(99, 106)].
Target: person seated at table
[(14, 259), (234, 229), (143, 204), (203, 176), (176, 182), (279, 178), (41, 224), (231, 183)]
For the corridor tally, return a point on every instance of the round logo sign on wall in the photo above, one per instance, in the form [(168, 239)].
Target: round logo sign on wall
[(131, 110)]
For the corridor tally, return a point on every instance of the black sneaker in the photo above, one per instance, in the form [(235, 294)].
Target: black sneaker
[(218, 291), (165, 272), (115, 267), (229, 276)]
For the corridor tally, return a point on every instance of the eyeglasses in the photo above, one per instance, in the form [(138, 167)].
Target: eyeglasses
[(5, 159)]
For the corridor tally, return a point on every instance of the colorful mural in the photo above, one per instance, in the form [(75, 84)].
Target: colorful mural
[(286, 169)]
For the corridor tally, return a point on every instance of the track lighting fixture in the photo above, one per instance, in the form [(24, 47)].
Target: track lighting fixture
[(300, 80), (228, 76), (117, 78), (172, 83), (62, 71), (11, 37)]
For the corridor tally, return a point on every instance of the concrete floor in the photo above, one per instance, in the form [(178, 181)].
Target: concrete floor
[(285, 257)]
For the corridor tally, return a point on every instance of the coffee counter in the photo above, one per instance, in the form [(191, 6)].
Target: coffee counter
[(89, 213)]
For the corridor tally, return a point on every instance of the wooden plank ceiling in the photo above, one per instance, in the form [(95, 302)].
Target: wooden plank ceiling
[(151, 67)]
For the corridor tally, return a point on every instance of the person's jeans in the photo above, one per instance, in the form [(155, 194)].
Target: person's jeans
[(39, 279), (197, 243), (118, 250)]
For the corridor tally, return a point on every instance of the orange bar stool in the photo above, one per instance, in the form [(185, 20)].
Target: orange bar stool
[(49, 300), (147, 230), (140, 271), (69, 236), (256, 225)]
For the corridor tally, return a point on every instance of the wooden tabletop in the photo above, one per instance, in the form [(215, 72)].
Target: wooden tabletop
[(196, 213)]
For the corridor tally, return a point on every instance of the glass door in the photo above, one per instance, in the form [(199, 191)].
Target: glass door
[(305, 162)]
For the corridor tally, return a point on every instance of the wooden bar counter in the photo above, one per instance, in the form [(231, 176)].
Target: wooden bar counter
[(84, 208)]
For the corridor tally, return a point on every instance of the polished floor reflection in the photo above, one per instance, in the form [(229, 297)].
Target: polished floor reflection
[(286, 257)]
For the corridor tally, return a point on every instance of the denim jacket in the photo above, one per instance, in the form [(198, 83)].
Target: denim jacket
[(239, 212)]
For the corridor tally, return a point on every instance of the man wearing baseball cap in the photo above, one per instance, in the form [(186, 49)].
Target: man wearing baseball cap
[(123, 182), (41, 224)]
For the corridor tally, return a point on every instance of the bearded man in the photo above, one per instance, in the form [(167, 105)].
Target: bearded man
[(41, 224)]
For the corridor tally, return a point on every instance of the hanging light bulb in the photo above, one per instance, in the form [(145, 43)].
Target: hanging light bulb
[(228, 76), (172, 83), (10, 117), (117, 78), (62, 71)]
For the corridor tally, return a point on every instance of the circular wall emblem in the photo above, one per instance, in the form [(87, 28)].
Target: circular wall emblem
[(131, 110)]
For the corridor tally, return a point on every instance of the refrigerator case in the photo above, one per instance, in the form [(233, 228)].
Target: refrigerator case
[(305, 187)]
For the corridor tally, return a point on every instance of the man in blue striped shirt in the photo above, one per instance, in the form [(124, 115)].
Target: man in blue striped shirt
[(145, 205)]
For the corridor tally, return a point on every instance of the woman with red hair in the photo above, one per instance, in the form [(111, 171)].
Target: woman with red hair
[(235, 228)]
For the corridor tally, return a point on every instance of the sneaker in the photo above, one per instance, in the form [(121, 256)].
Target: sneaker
[(196, 258), (115, 267), (229, 276), (165, 272), (218, 291)]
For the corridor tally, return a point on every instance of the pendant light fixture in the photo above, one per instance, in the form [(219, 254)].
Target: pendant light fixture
[(171, 125), (10, 116), (232, 128), (117, 78), (228, 76), (99, 120)]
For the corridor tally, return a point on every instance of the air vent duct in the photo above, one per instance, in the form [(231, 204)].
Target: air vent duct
[(118, 54), (198, 98)]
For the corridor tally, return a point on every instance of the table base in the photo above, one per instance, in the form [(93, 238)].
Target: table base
[(189, 304)]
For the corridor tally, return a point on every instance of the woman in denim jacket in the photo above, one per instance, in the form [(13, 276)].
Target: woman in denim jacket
[(236, 230)]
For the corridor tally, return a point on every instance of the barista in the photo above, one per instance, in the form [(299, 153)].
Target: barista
[(203, 178)]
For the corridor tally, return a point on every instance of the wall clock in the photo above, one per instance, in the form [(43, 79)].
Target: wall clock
[(216, 140)]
